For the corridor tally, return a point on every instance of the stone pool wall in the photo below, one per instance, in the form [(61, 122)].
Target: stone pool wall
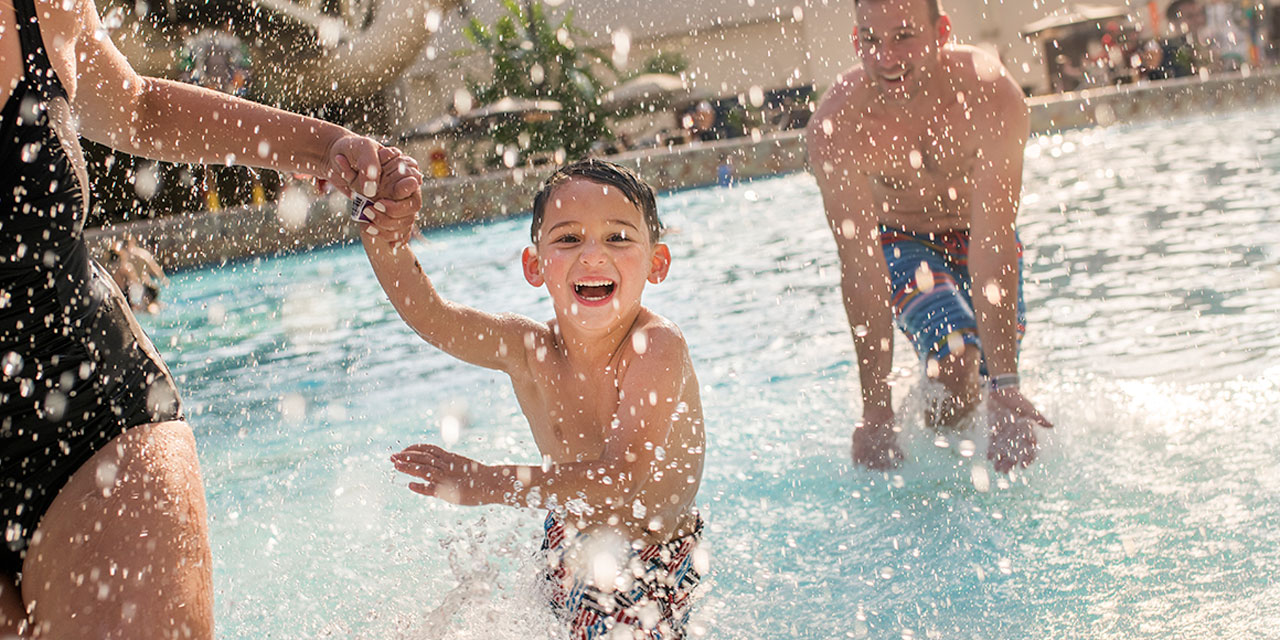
[(233, 234)]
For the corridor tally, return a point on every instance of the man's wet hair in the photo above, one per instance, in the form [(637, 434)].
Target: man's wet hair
[(935, 7), (636, 191)]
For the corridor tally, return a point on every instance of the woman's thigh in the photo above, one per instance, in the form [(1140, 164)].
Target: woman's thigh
[(123, 552)]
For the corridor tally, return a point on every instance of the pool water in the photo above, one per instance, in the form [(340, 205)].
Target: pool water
[(1153, 288)]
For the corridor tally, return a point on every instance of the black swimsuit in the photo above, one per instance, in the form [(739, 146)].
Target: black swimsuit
[(75, 368)]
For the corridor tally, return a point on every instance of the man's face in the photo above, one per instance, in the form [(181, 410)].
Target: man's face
[(899, 45)]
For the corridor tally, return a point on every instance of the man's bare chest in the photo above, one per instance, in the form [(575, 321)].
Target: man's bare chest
[(914, 160)]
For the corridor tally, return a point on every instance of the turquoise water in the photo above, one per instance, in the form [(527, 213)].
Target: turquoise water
[(1153, 289)]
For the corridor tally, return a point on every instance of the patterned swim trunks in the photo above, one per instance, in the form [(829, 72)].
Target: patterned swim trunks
[(932, 289), (655, 605)]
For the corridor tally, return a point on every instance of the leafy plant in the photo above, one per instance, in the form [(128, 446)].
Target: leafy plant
[(535, 59)]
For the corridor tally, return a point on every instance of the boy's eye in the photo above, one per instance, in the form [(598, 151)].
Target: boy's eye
[(905, 35), (567, 238), (619, 237)]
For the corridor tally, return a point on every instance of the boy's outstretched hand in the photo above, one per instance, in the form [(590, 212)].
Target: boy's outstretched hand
[(1013, 443), (448, 476)]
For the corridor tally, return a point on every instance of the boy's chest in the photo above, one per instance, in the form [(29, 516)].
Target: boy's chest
[(569, 417)]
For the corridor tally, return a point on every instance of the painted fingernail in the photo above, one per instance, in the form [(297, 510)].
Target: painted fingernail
[(370, 188)]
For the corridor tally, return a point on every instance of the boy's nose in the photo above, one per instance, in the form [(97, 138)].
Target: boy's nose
[(592, 253)]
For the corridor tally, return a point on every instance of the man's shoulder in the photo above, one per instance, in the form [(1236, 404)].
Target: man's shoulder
[(849, 91), (982, 75)]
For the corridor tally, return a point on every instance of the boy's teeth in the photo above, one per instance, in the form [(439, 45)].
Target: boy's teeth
[(593, 289)]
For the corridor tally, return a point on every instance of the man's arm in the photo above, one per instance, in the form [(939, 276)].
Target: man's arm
[(484, 339), (864, 287), (649, 394), (993, 258), (993, 263)]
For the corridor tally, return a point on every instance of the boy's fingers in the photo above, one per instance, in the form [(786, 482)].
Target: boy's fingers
[(420, 488)]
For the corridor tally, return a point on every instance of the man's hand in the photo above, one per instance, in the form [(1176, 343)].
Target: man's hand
[(448, 476), (1012, 416), (875, 446)]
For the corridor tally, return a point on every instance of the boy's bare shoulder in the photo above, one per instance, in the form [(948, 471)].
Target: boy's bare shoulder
[(655, 337)]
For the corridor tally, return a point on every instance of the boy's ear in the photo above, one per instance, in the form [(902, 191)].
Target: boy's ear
[(944, 29), (660, 263), (532, 270)]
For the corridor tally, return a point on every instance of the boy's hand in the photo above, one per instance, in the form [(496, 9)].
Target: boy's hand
[(448, 476), (874, 444), (1012, 441), (399, 197)]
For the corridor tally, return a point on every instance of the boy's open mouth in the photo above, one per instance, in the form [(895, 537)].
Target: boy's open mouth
[(591, 290)]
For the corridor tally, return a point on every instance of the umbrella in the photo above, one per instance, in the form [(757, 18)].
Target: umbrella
[(1075, 15), (522, 108), (648, 88), (436, 126)]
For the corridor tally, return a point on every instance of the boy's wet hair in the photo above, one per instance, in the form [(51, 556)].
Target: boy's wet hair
[(935, 7), (636, 191)]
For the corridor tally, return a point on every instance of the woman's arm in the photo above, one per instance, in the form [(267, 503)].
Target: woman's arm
[(176, 122)]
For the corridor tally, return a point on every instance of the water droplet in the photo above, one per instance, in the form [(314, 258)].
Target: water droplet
[(11, 364), (915, 159), (292, 208), (966, 448), (30, 151), (217, 314), (105, 476), (1005, 565), (55, 405), (981, 480), (450, 429), (462, 100), (146, 180), (924, 277), (640, 342), (293, 408), (991, 291), (621, 47), (329, 32)]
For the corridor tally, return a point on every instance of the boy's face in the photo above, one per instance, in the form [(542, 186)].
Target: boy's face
[(899, 44), (594, 254)]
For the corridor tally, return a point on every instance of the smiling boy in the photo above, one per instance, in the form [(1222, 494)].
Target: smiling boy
[(610, 394)]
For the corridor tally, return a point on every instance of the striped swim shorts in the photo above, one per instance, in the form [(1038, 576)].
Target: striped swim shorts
[(932, 290)]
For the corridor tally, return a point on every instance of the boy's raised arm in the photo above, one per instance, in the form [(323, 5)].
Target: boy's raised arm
[(471, 335), (650, 393)]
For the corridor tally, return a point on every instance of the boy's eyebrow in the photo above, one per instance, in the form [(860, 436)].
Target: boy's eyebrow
[(574, 222)]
